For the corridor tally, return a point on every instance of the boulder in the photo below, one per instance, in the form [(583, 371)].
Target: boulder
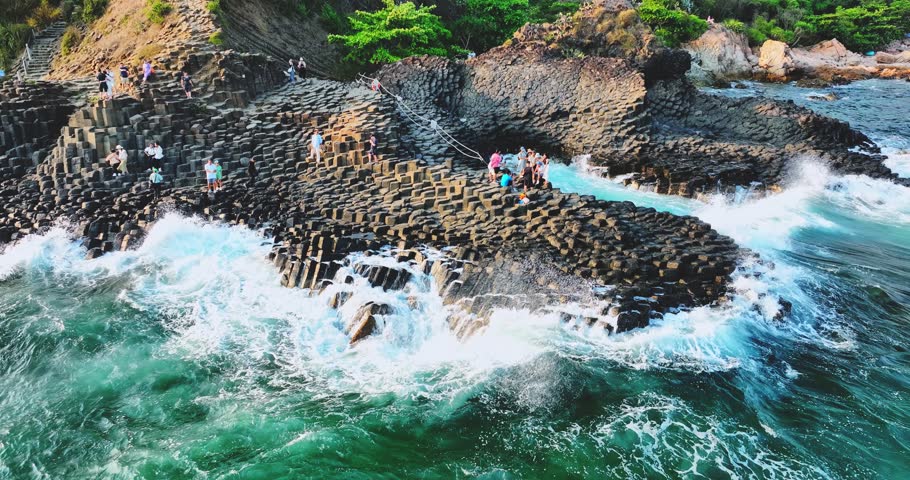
[(892, 58), (363, 324), (776, 59), (720, 54)]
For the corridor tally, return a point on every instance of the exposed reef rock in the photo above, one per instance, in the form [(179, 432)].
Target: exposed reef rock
[(555, 251), (633, 114)]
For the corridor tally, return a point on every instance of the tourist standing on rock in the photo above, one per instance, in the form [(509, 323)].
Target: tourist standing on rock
[(371, 154), (527, 177), (522, 159), (113, 159), (124, 78), (493, 166), (291, 70), (218, 175), (187, 84), (102, 84), (301, 68), (109, 78), (155, 180), (150, 155), (210, 175), (158, 160), (123, 156), (251, 172), (545, 169), (146, 71), (316, 144)]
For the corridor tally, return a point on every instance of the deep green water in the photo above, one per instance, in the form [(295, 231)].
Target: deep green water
[(186, 359)]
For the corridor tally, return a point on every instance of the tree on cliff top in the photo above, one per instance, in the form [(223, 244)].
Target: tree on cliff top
[(393, 33), (487, 23)]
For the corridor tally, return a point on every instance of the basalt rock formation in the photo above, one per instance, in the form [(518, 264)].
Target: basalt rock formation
[(633, 112), (628, 263)]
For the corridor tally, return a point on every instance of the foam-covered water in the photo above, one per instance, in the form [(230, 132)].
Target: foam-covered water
[(185, 358)]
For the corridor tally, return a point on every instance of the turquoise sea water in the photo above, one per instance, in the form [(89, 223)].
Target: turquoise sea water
[(185, 358)]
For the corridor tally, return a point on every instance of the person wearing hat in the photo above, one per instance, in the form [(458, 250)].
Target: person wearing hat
[(123, 156)]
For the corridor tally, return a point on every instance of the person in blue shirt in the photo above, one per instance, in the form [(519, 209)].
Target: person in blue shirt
[(506, 179)]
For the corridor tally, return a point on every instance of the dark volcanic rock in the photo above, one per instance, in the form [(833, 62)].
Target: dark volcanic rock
[(569, 89)]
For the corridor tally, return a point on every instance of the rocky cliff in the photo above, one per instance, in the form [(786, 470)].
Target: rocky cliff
[(633, 112)]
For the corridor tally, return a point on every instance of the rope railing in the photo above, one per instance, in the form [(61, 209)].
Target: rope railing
[(424, 122)]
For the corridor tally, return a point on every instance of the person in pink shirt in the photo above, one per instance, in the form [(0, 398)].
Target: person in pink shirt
[(493, 166)]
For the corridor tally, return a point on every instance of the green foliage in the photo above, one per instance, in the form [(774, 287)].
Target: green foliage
[(72, 37), (43, 15), (859, 24), (214, 6), (92, 10), (487, 23), (12, 40), (394, 32), (672, 25), (156, 10), (216, 39), (331, 20), (735, 25), (543, 11), (864, 27)]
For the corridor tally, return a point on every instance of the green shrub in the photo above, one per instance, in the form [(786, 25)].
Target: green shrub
[(331, 20), (72, 37), (213, 6), (485, 24), (156, 10), (93, 10), (216, 39), (43, 15), (864, 27), (735, 25), (671, 25), (394, 32), (12, 40)]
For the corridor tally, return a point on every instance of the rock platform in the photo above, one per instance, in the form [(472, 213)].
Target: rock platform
[(629, 263)]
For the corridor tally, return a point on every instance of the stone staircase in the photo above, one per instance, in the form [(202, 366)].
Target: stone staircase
[(44, 47)]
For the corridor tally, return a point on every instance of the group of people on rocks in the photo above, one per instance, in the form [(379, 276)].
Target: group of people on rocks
[(110, 84), (296, 69), (532, 170), (108, 87)]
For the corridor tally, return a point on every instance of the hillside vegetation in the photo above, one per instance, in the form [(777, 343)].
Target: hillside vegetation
[(861, 25)]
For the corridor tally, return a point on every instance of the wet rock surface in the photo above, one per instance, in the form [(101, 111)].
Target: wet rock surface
[(633, 113), (555, 251)]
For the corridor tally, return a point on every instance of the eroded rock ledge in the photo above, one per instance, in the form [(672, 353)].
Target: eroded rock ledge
[(617, 96), (550, 253)]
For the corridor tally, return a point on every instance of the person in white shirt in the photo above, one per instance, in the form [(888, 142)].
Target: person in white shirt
[(123, 156), (158, 153), (316, 142), (150, 155)]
